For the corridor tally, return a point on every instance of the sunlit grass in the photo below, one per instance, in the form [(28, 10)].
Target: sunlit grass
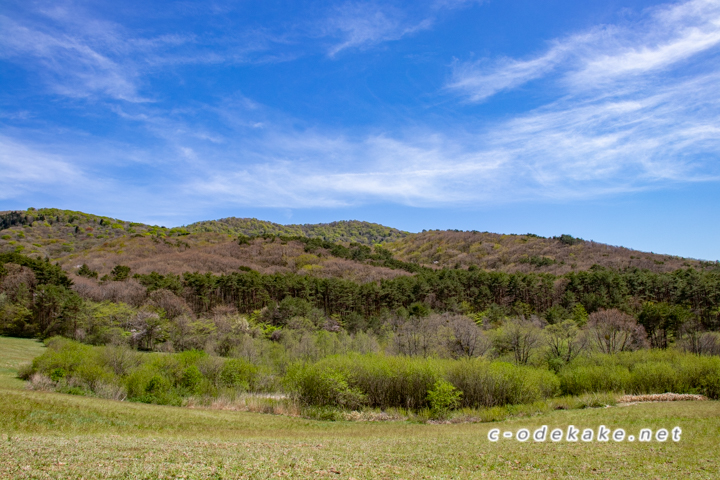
[(51, 435), (15, 352)]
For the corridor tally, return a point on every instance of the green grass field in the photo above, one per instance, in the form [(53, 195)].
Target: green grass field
[(50, 435), (13, 353)]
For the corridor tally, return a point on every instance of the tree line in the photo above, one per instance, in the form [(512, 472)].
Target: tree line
[(684, 293), (38, 298)]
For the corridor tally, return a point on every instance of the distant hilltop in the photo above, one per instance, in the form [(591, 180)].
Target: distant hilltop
[(72, 238)]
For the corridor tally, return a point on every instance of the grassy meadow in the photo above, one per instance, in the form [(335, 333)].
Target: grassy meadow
[(13, 353), (52, 435)]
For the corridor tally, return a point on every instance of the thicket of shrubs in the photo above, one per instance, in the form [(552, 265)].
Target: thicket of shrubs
[(355, 381), (642, 372), (119, 373), (380, 381)]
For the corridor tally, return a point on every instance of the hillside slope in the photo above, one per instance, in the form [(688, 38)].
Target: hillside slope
[(356, 231), (55, 233), (526, 253), (76, 238), (73, 238), (215, 253)]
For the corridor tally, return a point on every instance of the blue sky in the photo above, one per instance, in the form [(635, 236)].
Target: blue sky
[(597, 118)]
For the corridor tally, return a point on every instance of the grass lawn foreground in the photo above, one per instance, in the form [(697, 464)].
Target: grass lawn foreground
[(51, 435)]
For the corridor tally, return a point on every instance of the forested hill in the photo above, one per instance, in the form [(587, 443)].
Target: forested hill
[(222, 246), (346, 231), (56, 233), (526, 253)]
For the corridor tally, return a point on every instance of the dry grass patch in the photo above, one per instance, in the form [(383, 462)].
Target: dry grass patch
[(660, 397)]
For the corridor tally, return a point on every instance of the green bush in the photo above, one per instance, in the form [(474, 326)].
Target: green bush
[(443, 397), (656, 377), (85, 271), (709, 384), (394, 381), (57, 374), (191, 380), (318, 385), (240, 374), (136, 383), (148, 385), (62, 354), (120, 273), (576, 380), (488, 384), (642, 372), (118, 372), (700, 374), (406, 382), (90, 375), (354, 381)]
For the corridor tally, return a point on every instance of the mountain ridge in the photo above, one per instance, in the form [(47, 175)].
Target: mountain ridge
[(72, 238)]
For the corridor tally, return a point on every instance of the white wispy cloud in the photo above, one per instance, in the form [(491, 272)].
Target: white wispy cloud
[(70, 65), (559, 152), (26, 169), (629, 116), (364, 24), (79, 55), (572, 149), (419, 171), (359, 25), (667, 36), (483, 80), (452, 4)]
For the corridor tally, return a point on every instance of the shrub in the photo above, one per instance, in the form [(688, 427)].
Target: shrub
[(576, 380), (443, 397), (643, 371), (62, 354), (57, 374), (353, 381), (240, 374), (89, 375), (147, 385), (317, 385), (655, 377), (120, 273), (85, 271), (191, 380), (407, 382), (699, 374), (709, 384), (395, 381), (569, 240), (488, 384)]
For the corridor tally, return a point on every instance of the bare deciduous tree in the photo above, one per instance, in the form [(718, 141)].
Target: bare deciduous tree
[(613, 331), (520, 337), (695, 339), (564, 340), (469, 340), (19, 283), (424, 336), (147, 330), (172, 305)]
